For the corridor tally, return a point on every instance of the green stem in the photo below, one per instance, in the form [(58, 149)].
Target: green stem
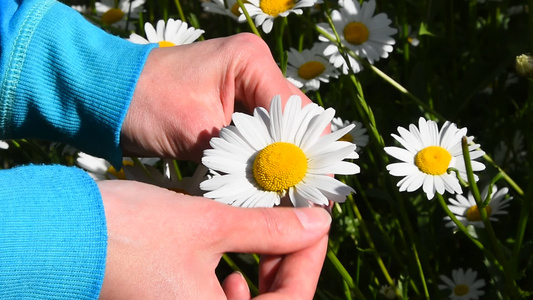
[(506, 177), (253, 289), (345, 275), (248, 18), (510, 283), (176, 169), (180, 10), (381, 74), (319, 99), (412, 237), (138, 162), (370, 241), (463, 229)]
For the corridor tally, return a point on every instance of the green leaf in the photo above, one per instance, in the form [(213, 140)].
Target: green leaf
[(424, 30)]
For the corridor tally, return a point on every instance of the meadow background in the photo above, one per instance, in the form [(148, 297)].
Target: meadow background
[(453, 60)]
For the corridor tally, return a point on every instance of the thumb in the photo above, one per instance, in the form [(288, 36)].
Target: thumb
[(277, 230)]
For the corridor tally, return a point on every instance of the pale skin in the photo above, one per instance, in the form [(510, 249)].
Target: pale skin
[(165, 245)]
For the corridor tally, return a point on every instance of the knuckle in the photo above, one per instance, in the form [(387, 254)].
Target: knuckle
[(274, 226), (248, 46)]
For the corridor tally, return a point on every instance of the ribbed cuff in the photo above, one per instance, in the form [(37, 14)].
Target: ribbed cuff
[(53, 238), (74, 84)]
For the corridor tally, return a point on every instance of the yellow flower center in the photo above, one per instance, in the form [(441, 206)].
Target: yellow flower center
[(163, 44), (235, 8), (347, 138), (112, 16), (433, 160), (356, 33), (473, 214), (275, 7), (311, 69), (120, 173), (460, 289), (279, 166)]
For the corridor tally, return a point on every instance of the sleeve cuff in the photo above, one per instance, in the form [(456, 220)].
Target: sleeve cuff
[(53, 238), (72, 83)]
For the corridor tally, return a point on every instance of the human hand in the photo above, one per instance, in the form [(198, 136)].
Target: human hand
[(186, 93), (165, 245)]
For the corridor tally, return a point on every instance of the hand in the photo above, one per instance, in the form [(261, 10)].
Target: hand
[(165, 245), (185, 94)]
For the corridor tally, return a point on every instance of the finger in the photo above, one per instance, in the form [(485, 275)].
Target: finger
[(235, 287), (297, 274), (270, 230), (269, 265)]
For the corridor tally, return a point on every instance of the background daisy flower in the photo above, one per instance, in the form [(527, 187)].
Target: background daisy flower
[(167, 178), (427, 155), (265, 11), (101, 169), (463, 285), (467, 211), (171, 33), (219, 7), (271, 154), (366, 35), (308, 68), (118, 15), (511, 155), (357, 135)]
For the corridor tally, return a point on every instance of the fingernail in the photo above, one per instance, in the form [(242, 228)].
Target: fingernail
[(240, 274), (313, 218)]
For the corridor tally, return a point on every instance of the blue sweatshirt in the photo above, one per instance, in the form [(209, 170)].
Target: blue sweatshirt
[(66, 80)]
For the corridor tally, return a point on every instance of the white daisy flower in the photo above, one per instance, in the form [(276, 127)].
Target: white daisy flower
[(4, 145), (167, 178), (173, 33), (83, 9), (483, 1), (388, 291), (268, 155), (524, 65), (357, 135), (366, 35), (219, 7), (467, 211), (308, 68), (463, 285), (511, 156), (101, 169), (265, 11), (412, 36), (517, 9), (427, 156), (118, 15)]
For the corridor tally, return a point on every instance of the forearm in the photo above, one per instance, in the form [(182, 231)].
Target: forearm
[(64, 79)]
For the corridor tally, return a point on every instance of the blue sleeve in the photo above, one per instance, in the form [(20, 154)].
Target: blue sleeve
[(64, 79), (52, 237)]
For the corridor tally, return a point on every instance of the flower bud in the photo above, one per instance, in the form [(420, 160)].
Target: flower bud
[(524, 65)]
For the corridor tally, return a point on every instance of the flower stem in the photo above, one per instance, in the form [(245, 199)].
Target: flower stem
[(253, 289), (509, 282), (381, 74), (506, 177), (463, 229), (180, 10), (345, 275), (248, 18), (371, 244)]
